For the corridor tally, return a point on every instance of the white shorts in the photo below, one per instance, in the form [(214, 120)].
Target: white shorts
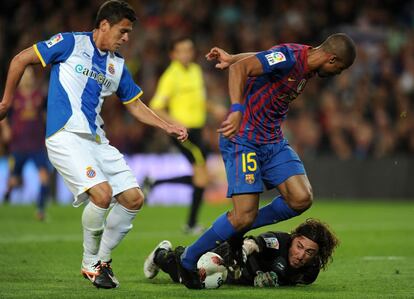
[(84, 163)]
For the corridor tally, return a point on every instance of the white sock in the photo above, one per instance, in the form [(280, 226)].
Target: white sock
[(93, 218), (118, 224)]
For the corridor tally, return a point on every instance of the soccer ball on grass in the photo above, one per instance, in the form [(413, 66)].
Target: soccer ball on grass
[(212, 271)]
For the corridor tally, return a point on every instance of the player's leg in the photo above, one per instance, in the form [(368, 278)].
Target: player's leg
[(129, 199), (285, 171), (194, 150), (200, 181), (243, 175), (16, 162), (119, 221), (43, 166), (295, 198), (73, 156)]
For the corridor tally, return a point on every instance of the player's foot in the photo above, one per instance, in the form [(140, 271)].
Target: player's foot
[(150, 267), (100, 274), (193, 230), (190, 278), (106, 268)]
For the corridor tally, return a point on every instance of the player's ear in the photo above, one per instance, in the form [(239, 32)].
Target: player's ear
[(332, 59), (104, 25)]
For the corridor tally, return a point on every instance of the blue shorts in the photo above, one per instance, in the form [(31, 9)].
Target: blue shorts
[(18, 160), (248, 167)]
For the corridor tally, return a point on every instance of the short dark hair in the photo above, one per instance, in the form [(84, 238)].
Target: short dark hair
[(321, 234), (342, 46), (114, 11), (176, 40)]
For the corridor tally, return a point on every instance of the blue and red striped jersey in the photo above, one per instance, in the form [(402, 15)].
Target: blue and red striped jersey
[(267, 97)]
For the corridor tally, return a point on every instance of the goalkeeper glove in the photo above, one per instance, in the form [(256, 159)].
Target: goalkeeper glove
[(265, 279), (250, 246)]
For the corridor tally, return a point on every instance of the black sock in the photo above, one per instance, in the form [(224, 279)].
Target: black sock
[(195, 206)]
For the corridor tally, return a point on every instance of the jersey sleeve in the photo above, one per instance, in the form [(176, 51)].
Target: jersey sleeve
[(165, 90), (128, 91), (57, 49), (277, 59)]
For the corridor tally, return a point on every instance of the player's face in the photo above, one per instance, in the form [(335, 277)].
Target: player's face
[(183, 52), (118, 34), (331, 68), (302, 251)]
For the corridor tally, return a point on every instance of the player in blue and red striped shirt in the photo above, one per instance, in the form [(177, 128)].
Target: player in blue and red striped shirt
[(255, 152)]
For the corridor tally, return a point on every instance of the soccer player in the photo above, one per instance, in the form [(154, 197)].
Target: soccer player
[(24, 132), (85, 69), (180, 97), (270, 259), (254, 150)]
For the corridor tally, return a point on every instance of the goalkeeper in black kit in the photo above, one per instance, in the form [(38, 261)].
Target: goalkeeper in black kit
[(268, 260)]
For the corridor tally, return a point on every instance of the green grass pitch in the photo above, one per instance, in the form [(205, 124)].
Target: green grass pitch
[(42, 260)]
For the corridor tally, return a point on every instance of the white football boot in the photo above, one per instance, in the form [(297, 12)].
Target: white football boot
[(150, 268)]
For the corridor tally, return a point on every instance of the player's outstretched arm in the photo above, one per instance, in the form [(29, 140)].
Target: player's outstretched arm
[(144, 114), (238, 74), (15, 73), (225, 59)]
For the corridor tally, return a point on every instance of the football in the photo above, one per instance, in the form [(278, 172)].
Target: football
[(212, 271)]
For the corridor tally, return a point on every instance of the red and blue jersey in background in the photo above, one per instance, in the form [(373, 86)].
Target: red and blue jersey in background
[(267, 97), (27, 122)]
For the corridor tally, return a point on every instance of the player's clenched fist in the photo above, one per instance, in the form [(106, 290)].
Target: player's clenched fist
[(179, 131)]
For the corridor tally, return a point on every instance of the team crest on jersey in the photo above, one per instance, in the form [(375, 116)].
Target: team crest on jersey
[(54, 40), (111, 68), (249, 178), (275, 57), (90, 172), (272, 243)]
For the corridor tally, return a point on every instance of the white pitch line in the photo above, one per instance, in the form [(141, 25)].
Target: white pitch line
[(382, 258)]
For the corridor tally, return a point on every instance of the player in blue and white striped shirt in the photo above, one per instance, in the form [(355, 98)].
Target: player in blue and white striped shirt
[(85, 69)]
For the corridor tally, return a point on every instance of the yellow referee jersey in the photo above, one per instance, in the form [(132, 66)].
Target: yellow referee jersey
[(181, 91)]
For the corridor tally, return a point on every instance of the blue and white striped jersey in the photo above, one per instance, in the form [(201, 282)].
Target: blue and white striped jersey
[(81, 77)]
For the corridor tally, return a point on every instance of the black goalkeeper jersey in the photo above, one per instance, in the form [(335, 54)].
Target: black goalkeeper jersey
[(273, 256)]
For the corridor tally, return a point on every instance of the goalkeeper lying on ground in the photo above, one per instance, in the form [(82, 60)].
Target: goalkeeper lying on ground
[(267, 260)]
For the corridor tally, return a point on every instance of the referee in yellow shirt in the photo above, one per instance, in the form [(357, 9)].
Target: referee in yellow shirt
[(180, 97)]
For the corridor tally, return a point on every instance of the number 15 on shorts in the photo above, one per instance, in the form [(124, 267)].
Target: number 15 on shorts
[(249, 162)]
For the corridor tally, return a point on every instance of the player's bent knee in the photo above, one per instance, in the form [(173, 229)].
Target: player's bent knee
[(133, 199), (101, 195), (303, 201)]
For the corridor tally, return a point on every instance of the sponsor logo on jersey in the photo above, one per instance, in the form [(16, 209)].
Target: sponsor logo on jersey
[(249, 178), (111, 68), (275, 57), (54, 40), (99, 77), (90, 173), (272, 242)]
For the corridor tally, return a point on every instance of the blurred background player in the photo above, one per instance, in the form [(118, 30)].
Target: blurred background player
[(86, 69), (180, 98), (24, 131), (270, 259), (254, 149)]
